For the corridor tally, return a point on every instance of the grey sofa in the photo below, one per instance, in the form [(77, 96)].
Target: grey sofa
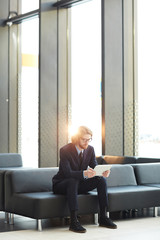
[(29, 193), (7, 161), (126, 192)]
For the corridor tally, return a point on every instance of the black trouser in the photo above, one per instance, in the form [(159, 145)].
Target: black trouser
[(71, 187)]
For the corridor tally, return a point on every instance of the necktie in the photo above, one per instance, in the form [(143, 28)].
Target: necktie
[(80, 158)]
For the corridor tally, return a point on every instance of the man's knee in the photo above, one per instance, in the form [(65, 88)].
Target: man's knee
[(102, 181)]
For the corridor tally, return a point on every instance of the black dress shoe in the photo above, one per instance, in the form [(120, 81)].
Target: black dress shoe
[(75, 226), (107, 222)]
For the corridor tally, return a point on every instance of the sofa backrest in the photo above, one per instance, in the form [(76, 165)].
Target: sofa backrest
[(99, 160), (147, 160), (148, 173), (121, 175), (118, 159), (10, 160), (30, 180)]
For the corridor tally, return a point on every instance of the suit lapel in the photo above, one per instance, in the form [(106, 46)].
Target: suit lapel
[(75, 153), (75, 156)]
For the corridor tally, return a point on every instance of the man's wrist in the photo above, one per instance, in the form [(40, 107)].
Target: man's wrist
[(85, 175)]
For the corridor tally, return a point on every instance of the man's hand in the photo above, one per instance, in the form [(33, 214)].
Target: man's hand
[(106, 173), (89, 173)]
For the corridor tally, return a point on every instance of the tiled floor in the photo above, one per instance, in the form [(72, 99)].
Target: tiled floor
[(140, 225)]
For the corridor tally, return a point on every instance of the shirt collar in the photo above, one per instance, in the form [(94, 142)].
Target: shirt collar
[(78, 151)]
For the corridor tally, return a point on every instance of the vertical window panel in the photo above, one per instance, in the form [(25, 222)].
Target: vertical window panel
[(86, 69), (148, 77), (29, 5), (28, 92)]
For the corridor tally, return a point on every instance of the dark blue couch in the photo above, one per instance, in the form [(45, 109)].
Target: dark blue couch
[(29, 192)]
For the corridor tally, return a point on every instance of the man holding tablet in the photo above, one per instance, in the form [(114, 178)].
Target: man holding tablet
[(77, 176)]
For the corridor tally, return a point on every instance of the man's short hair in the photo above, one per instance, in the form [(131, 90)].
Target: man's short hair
[(82, 130)]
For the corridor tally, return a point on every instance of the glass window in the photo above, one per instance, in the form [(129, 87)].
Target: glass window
[(148, 36), (28, 92), (86, 69), (29, 5)]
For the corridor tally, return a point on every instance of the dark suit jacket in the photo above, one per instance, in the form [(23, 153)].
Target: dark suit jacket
[(69, 165)]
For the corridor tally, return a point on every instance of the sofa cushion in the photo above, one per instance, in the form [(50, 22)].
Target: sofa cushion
[(121, 175), (131, 197), (41, 205), (148, 173), (10, 160)]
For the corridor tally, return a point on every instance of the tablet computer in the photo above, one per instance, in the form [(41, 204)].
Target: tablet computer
[(102, 168)]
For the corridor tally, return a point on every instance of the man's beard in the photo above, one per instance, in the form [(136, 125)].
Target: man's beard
[(83, 146)]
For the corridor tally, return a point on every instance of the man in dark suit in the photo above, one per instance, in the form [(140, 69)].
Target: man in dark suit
[(76, 176)]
